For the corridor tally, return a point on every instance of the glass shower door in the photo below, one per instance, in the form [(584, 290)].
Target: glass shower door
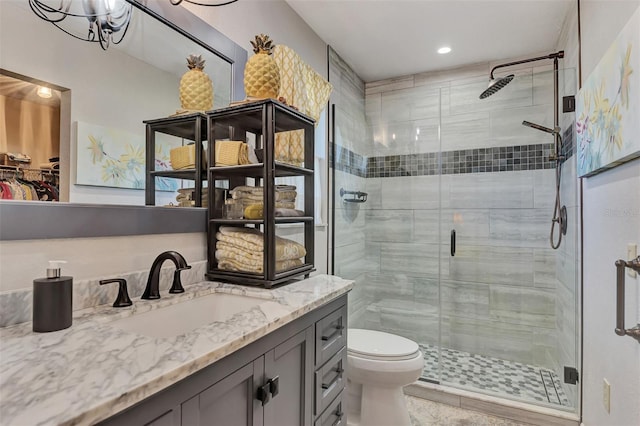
[(508, 300)]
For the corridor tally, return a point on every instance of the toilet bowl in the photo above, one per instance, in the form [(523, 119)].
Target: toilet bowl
[(379, 365)]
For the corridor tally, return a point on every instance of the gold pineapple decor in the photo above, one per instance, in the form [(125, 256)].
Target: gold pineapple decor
[(261, 74), (196, 88)]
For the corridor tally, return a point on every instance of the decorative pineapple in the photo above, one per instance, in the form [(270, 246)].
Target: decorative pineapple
[(261, 74), (196, 89)]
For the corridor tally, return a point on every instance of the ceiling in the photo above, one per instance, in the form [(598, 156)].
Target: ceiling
[(391, 38)]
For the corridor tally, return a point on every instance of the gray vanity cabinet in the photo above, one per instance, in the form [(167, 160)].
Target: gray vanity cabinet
[(290, 377), (233, 401), (230, 401)]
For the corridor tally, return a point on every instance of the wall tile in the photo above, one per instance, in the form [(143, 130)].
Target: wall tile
[(534, 307), (519, 227), (388, 85), (411, 258), (544, 274), (492, 190), (486, 264), (389, 225)]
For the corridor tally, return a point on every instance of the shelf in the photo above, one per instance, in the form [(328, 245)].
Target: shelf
[(257, 279), (260, 122), (180, 126), (279, 219), (249, 116), (257, 170), (178, 174)]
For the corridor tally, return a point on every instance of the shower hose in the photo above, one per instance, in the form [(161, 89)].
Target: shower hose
[(557, 215)]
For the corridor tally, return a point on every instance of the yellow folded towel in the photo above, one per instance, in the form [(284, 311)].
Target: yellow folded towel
[(254, 211), (231, 153)]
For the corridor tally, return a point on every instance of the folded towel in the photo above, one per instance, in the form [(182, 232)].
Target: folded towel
[(285, 188), (279, 212), (256, 211), (232, 265), (257, 195), (253, 240), (231, 153)]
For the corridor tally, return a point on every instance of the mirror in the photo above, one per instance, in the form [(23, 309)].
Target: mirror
[(133, 81), (115, 90)]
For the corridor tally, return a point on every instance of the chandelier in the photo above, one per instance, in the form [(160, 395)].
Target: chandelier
[(108, 19)]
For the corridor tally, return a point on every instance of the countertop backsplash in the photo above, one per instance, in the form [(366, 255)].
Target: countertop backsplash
[(16, 306)]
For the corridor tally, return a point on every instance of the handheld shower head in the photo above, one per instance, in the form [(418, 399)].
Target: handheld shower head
[(555, 131), (495, 85)]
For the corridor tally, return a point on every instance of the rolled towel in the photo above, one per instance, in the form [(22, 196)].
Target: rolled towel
[(231, 153)]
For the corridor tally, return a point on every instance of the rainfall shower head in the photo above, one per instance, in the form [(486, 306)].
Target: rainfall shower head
[(555, 131), (495, 85)]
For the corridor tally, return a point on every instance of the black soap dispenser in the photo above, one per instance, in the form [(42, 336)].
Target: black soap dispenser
[(52, 298)]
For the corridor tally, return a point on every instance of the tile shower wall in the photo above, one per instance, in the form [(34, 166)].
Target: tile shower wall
[(350, 171)]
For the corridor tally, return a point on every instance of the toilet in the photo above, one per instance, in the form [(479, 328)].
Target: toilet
[(379, 365)]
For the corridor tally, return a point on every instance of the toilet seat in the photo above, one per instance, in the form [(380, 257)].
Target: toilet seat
[(377, 345)]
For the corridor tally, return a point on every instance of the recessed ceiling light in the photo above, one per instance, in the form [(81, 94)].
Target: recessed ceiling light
[(444, 50), (44, 92)]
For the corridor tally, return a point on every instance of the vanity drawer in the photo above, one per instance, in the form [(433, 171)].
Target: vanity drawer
[(331, 335), (335, 414), (330, 380)]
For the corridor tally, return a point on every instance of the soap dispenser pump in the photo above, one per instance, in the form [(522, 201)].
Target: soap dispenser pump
[(52, 300)]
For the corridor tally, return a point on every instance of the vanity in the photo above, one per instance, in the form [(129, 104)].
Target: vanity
[(276, 357)]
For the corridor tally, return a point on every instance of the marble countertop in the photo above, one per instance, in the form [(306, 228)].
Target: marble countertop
[(92, 370)]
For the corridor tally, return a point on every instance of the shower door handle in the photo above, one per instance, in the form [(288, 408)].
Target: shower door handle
[(453, 242)]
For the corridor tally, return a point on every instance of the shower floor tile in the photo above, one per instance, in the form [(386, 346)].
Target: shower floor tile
[(523, 381)]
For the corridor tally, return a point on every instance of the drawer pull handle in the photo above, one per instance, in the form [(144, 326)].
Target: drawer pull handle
[(338, 329), (263, 393), (335, 380), (339, 415)]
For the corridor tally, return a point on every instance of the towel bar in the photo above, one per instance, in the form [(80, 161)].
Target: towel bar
[(356, 196), (620, 269)]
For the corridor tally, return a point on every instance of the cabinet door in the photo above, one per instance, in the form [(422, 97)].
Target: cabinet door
[(290, 365), (230, 402)]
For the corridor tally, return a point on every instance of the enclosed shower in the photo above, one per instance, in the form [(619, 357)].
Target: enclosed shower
[(448, 237)]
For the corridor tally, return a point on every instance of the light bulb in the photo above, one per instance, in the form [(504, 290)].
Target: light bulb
[(44, 92)]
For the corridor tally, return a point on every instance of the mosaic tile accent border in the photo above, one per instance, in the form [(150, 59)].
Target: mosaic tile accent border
[(481, 160), (523, 381), (348, 161)]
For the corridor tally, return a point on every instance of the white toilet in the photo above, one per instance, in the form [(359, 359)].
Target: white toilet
[(379, 365)]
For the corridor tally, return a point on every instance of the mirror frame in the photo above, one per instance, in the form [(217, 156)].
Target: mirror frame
[(32, 220)]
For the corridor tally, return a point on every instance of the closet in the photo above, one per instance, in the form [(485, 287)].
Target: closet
[(28, 184)]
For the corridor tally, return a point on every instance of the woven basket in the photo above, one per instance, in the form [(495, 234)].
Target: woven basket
[(184, 157)]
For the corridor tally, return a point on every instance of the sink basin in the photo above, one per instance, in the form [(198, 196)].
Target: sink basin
[(180, 318)]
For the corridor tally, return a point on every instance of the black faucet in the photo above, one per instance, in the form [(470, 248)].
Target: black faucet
[(152, 291)]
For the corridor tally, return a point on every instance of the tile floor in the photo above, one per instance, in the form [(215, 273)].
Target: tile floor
[(521, 381), (429, 413)]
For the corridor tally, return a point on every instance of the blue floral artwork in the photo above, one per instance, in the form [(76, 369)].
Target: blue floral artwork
[(116, 158), (608, 106)]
